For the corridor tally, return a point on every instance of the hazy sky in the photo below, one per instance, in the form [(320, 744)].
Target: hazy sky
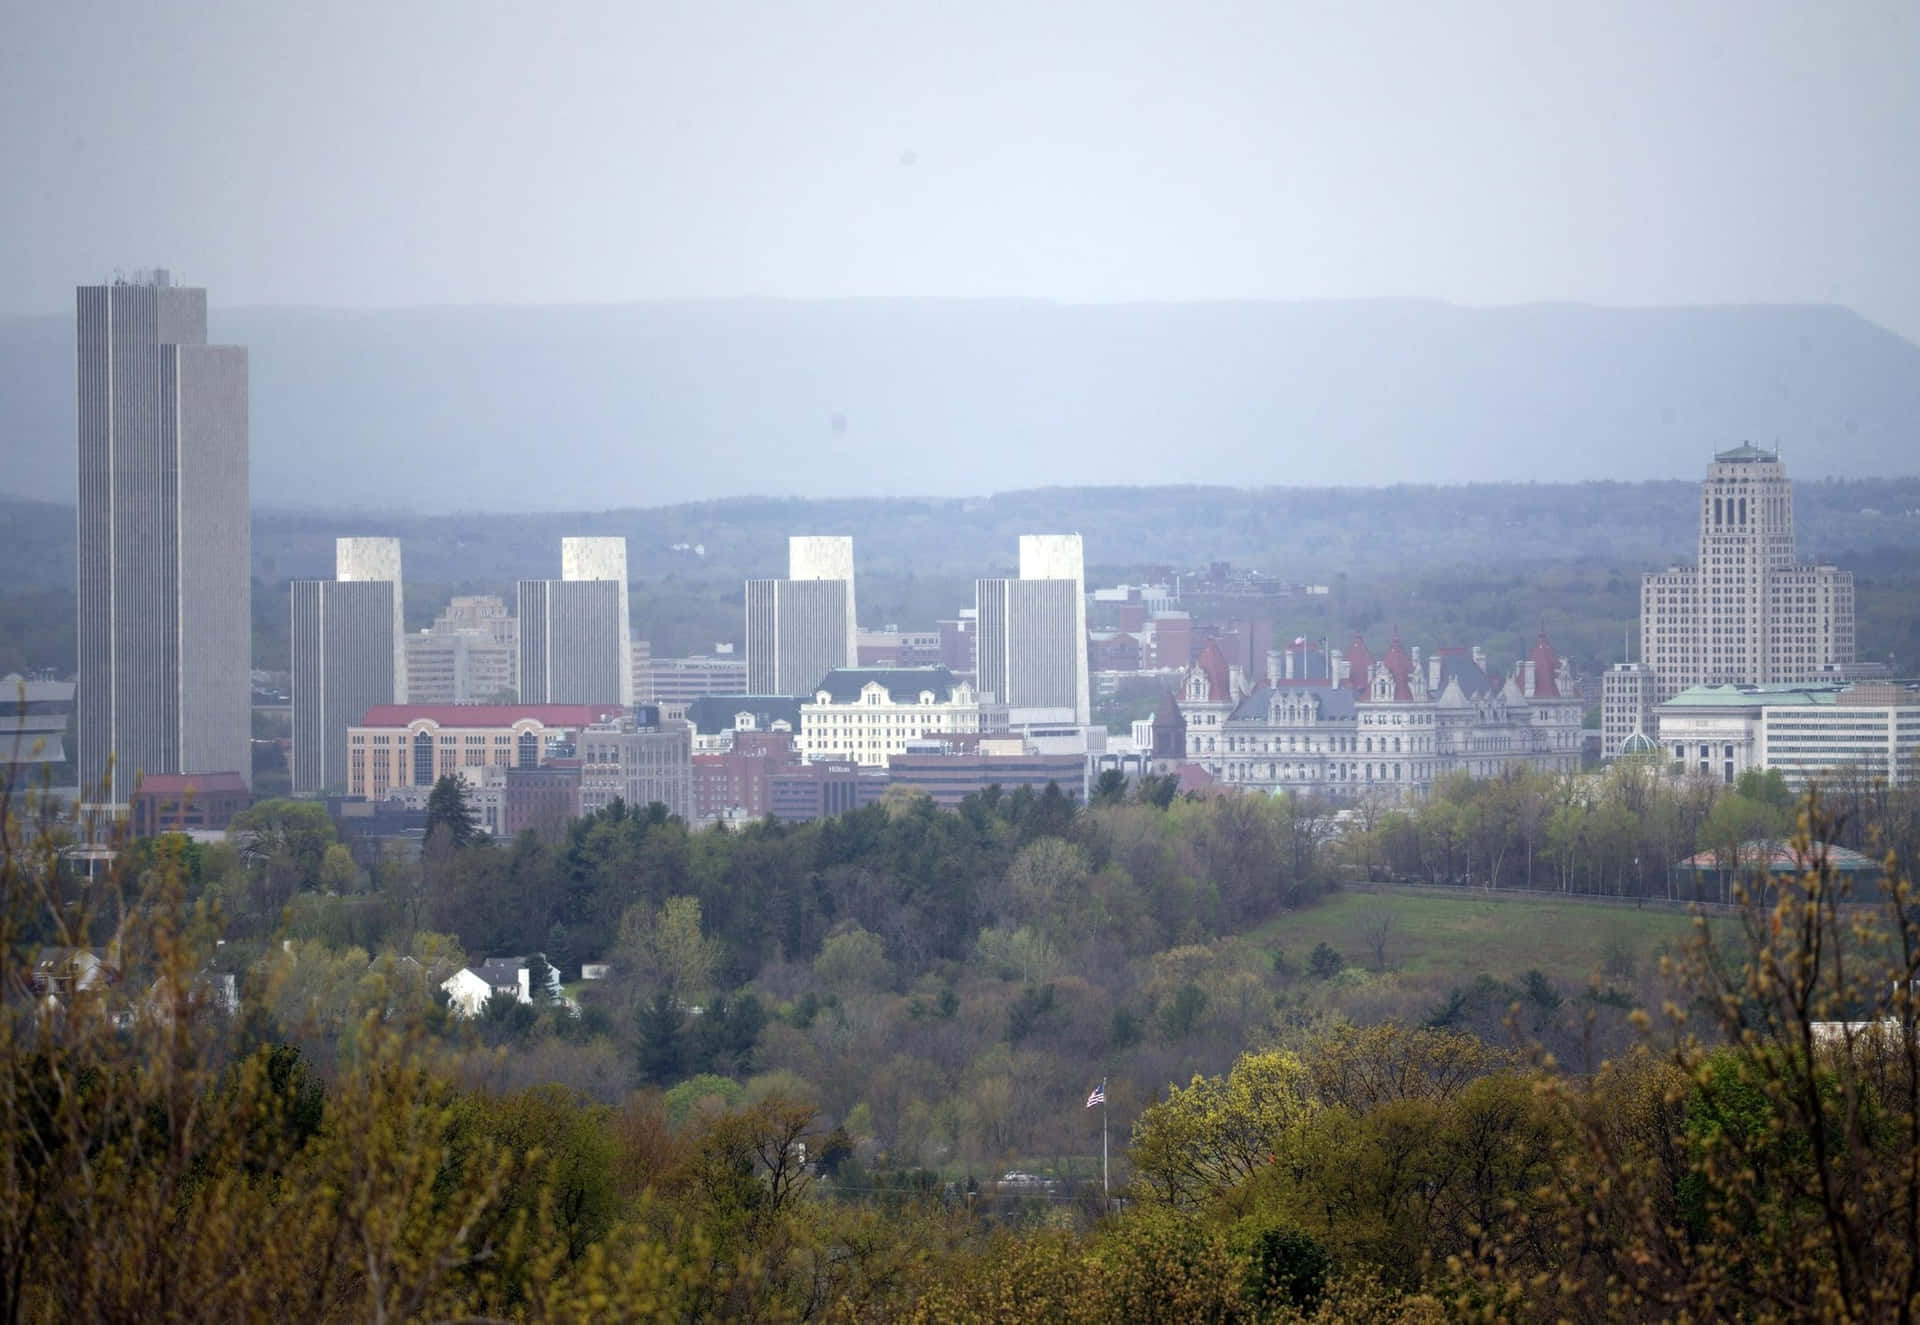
[(405, 153)]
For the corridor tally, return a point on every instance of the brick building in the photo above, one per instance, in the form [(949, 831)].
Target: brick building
[(414, 745), (176, 802), (543, 799)]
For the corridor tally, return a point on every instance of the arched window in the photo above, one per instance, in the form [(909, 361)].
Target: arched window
[(529, 755), (422, 759)]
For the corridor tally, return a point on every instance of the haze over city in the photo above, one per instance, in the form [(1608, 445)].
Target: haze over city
[(678, 662), (360, 157)]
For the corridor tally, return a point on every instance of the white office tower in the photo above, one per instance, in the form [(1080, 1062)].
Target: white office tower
[(575, 646), (349, 653), (802, 627), (164, 539), (1747, 612), (1032, 647)]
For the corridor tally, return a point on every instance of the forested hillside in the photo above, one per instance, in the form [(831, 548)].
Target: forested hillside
[(846, 1070)]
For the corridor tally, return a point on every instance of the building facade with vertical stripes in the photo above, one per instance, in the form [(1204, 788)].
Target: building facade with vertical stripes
[(1032, 649), (796, 634), (575, 644), (348, 651), (800, 628), (164, 539)]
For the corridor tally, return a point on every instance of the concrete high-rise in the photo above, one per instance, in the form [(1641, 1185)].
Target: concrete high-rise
[(164, 535), (349, 653), (1032, 649), (575, 644), (470, 655), (800, 628), (1747, 612)]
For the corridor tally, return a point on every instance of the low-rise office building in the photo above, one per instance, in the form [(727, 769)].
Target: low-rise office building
[(638, 761), (737, 783), (683, 680), (900, 648), (1716, 730), (33, 725), (414, 745), (821, 788), (1864, 732), (542, 800), (182, 802), (1868, 732), (951, 770)]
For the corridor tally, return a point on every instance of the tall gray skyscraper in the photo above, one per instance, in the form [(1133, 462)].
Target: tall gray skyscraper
[(575, 643), (1032, 651), (802, 627), (349, 640), (164, 534)]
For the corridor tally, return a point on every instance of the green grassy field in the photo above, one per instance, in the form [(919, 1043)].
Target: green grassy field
[(1458, 938)]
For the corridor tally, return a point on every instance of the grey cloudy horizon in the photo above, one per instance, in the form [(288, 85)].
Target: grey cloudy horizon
[(360, 155)]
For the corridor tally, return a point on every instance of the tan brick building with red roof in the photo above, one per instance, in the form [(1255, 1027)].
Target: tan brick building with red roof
[(414, 745)]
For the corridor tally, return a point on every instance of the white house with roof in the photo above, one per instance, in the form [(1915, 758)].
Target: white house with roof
[(469, 988)]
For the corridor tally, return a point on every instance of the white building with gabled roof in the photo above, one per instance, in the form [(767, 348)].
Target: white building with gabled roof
[(869, 714)]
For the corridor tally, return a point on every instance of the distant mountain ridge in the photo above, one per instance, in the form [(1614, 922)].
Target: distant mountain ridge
[(1298, 533), (641, 405)]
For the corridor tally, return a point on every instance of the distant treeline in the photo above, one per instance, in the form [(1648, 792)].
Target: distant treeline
[(1476, 564)]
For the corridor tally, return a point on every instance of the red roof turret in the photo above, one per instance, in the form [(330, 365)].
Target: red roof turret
[(1400, 667), (1359, 662), (1545, 663), (1219, 679)]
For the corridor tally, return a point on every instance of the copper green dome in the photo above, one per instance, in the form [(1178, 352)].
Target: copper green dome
[(1639, 744)]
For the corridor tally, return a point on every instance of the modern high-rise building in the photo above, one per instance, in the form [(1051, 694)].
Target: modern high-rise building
[(470, 655), (164, 533), (575, 646), (1747, 612), (1032, 631), (349, 653), (800, 628)]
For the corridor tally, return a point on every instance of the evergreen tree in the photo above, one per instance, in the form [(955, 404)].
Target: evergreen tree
[(1326, 962), (448, 805), (662, 1059)]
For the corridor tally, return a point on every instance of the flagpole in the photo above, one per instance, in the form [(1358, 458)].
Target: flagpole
[(1103, 1147)]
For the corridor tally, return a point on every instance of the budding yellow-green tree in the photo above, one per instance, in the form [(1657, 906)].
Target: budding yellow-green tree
[(1215, 1133)]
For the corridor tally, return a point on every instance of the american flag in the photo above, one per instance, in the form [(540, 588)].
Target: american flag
[(1098, 1095)]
